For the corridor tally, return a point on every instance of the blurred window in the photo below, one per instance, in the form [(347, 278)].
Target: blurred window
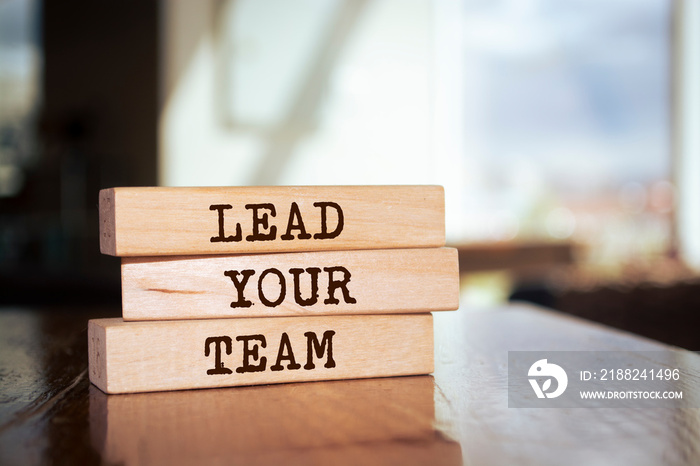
[(544, 119), (19, 91), (569, 120)]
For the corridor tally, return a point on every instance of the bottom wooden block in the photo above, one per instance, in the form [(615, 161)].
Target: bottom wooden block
[(127, 357)]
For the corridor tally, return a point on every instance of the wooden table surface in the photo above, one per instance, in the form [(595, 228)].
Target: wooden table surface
[(50, 414)]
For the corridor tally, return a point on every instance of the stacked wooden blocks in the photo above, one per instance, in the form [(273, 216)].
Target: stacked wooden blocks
[(245, 286)]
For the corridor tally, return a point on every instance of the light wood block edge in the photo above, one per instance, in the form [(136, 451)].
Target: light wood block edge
[(97, 349), (381, 281), (150, 221), (108, 242), (128, 357)]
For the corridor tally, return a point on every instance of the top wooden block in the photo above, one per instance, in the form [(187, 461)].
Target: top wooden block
[(185, 221)]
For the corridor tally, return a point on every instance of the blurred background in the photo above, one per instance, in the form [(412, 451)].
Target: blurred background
[(566, 134)]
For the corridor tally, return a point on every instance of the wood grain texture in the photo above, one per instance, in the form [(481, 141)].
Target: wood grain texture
[(48, 414), (311, 283), (389, 420), (152, 221), (129, 357)]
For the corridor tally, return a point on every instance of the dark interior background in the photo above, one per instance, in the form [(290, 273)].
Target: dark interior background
[(96, 127)]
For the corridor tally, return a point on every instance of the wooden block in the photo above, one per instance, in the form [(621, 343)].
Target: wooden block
[(172, 355), (379, 281), (190, 221)]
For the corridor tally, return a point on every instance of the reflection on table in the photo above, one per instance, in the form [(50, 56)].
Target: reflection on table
[(373, 421)]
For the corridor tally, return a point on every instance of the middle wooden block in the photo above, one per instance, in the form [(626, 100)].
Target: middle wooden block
[(294, 284)]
